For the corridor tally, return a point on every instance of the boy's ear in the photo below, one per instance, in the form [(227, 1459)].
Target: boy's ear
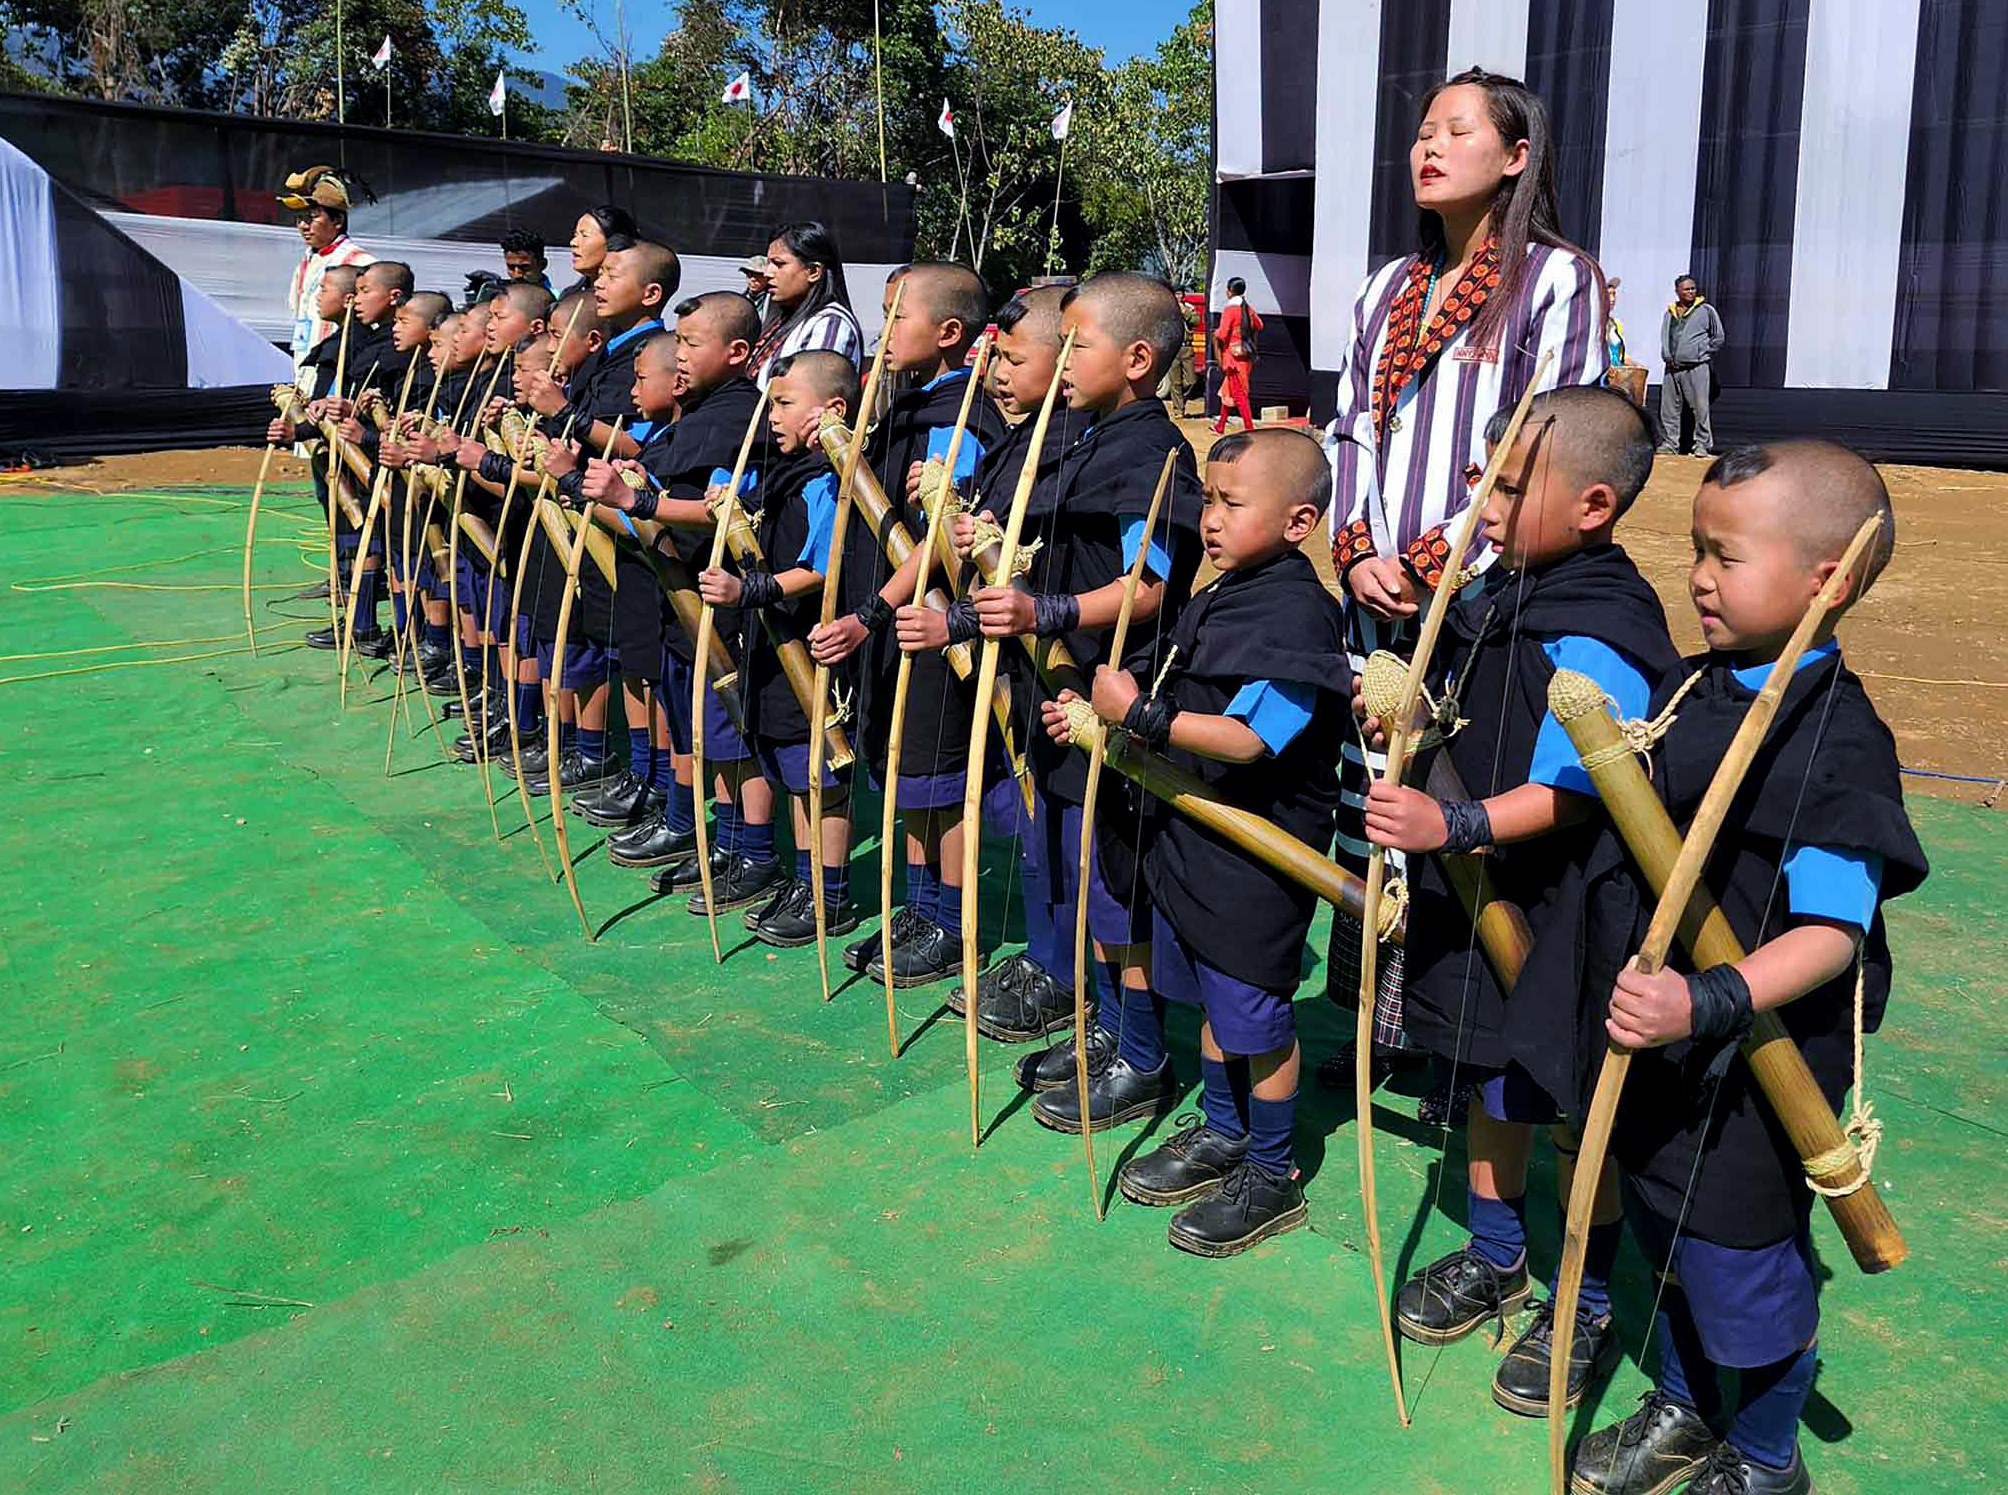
[(651, 295), (1299, 522), (950, 333), (1138, 360), (737, 352), (1599, 504)]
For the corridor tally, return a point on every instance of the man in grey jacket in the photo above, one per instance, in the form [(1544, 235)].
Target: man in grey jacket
[(1688, 339)]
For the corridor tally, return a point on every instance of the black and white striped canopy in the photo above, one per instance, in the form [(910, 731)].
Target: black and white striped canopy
[(1832, 173)]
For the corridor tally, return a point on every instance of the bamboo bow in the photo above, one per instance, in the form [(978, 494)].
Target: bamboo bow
[(556, 777), (903, 685), (286, 398), (1399, 730), (1097, 754), (819, 704), (701, 675), (1666, 919), (979, 740), (524, 455), (335, 480), (379, 495), (474, 733)]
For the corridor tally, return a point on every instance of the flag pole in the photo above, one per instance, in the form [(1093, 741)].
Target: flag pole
[(878, 71), (627, 107), (962, 201), (341, 91), (1053, 236)]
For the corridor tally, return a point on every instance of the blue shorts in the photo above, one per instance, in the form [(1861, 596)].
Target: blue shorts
[(586, 665), (1111, 920), (1510, 1094), (1245, 1019), (786, 765), (472, 589), (1750, 1305), (722, 742)]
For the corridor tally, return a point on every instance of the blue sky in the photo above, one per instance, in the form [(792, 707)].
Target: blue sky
[(1122, 28)]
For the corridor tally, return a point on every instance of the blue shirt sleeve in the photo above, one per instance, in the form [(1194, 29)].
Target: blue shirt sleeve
[(1556, 762), (1159, 564), (748, 480), (966, 455), (820, 496), (639, 430), (1827, 882), (1276, 710)]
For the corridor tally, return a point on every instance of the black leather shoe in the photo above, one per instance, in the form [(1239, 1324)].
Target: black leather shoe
[(1033, 1007), (1454, 1294), (1521, 1382), (321, 638), (1650, 1452), (861, 953), (1008, 974), (1730, 1471), (433, 657), (618, 800), (1249, 1205), (375, 645), (574, 769), (778, 900), (928, 954), (1053, 1066), (791, 921), (494, 747), (534, 743), (681, 875), (1117, 1092), (1191, 1162), (442, 680), (743, 881), (651, 844)]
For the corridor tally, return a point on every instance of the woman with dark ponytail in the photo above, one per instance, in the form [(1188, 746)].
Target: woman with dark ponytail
[(809, 306)]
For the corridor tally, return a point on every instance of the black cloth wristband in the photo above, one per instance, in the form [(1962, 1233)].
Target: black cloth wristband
[(1055, 612), (875, 612), (1466, 824), (961, 619), (572, 485), (642, 504), (1722, 1017), (1149, 721), (496, 466), (759, 589)]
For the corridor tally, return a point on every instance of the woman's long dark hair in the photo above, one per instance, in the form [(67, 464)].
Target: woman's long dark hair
[(1523, 208), (616, 224), (813, 244)]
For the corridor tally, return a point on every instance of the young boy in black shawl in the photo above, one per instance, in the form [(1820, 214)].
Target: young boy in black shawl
[(796, 507), (697, 374), (632, 291), (1816, 840), (411, 335), (1564, 595), (942, 311), (1254, 700), (1090, 521), (1028, 994)]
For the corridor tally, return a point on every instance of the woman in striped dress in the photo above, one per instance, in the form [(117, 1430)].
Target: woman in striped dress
[(809, 305), (1441, 339)]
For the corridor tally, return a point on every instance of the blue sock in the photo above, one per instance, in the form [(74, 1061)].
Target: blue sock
[(1270, 1124), (1135, 1019), (1599, 1257), (662, 771), (728, 827), (757, 841), (1768, 1404), (923, 897), (568, 736), (1041, 948), (948, 906), (436, 634), (641, 753), (397, 610), (802, 866), (1685, 1373), (592, 744), (367, 592), (1225, 1111), (836, 883), (680, 811), (1498, 1227), (529, 705)]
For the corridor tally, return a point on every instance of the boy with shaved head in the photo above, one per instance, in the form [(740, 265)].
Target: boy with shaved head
[(1089, 518), (1815, 843), (1254, 700), (942, 311), (1564, 594)]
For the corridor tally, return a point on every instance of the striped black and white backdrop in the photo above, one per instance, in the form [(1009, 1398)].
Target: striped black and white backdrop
[(1831, 170)]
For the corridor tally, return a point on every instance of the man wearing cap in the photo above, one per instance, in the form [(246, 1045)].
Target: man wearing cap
[(320, 196), (755, 269)]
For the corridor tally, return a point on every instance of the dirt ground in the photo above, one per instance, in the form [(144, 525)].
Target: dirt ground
[(1931, 640)]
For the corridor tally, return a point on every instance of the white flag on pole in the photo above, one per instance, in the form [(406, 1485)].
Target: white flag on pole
[(738, 91), (499, 94), (1063, 121), (381, 58), (946, 124)]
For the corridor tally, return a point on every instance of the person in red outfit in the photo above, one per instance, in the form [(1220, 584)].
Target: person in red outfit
[(1234, 346)]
